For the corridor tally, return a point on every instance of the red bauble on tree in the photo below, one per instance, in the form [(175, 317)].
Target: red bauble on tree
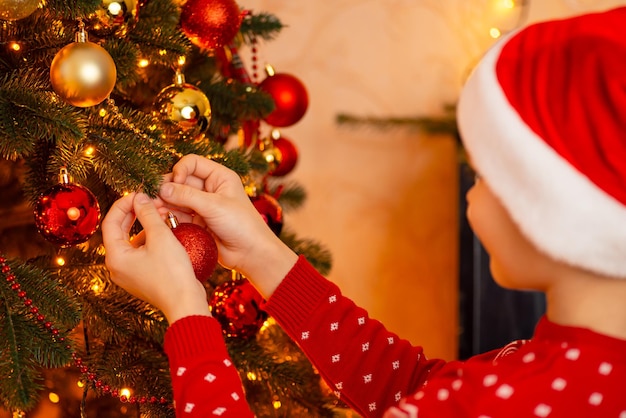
[(67, 214), (270, 210), (290, 97), (237, 305), (249, 132), (199, 244), (210, 24)]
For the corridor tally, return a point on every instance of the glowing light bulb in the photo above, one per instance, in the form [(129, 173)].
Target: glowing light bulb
[(143, 63), (495, 33), (54, 398), (115, 8), (89, 150), (125, 392), (15, 46), (73, 213), (60, 261)]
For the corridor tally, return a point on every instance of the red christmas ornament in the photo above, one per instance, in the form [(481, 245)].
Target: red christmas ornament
[(67, 214), (270, 210), (284, 156), (199, 244), (210, 24), (238, 307), (249, 132), (290, 97)]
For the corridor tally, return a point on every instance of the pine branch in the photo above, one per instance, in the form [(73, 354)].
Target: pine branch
[(119, 317), (260, 25), (235, 101), (27, 345), (37, 39), (315, 253), (444, 124), (72, 9), (20, 383), (125, 161), (291, 195), (168, 38), (28, 112)]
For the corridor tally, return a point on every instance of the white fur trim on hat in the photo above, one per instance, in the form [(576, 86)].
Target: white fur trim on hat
[(556, 207)]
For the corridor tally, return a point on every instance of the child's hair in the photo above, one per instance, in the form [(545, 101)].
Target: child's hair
[(543, 118)]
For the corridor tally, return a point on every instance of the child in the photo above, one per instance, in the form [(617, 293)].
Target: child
[(543, 118)]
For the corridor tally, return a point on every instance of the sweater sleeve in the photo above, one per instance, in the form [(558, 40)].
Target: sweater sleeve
[(367, 366), (205, 381)]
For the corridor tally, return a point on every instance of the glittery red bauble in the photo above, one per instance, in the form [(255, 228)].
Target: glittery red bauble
[(67, 214), (270, 210), (285, 157), (238, 307), (200, 246), (210, 24), (290, 97)]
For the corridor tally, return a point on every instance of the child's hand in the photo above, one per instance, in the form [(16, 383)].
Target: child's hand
[(154, 268), (216, 195)]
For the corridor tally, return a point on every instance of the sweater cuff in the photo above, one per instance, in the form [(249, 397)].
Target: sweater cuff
[(298, 295), (193, 336)]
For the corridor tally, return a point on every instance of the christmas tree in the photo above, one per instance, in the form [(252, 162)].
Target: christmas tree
[(99, 98)]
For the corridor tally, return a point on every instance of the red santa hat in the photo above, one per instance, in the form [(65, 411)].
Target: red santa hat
[(543, 118)]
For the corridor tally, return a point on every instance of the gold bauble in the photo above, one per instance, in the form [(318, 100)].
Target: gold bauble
[(17, 9), (184, 107), (115, 16), (83, 74)]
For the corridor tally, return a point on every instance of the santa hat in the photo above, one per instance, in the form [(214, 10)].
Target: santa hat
[(543, 118)]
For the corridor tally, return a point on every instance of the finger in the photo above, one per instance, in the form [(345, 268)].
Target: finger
[(181, 195), (200, 167), (118, 221), (148, 215)]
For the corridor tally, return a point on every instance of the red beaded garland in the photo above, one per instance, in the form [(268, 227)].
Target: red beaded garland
[(78, 362)]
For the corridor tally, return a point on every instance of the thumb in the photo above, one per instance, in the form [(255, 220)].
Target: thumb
[(148, 215)]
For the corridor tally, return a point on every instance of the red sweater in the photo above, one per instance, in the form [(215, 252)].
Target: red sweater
[(562, 372)]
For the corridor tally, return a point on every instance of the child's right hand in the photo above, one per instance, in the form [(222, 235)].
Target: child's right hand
[(215, 194)]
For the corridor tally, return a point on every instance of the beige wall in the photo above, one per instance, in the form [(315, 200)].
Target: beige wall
[(385, 202)]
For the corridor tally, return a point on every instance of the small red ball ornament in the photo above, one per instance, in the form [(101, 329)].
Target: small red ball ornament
[(270, 210), (238, 307), (290, 97), (199, 244), (210, 24), (67, 214)]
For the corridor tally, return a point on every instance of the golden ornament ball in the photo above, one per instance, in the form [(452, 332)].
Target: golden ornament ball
[(114, 17), (17, 9), (83, 74), (185, 107)]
